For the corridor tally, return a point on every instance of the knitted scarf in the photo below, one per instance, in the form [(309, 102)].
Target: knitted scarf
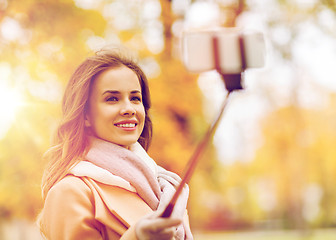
[(125, 164), (154, 190)]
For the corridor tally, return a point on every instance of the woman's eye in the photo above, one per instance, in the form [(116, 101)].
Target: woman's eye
[(111, 99), (136, 99)]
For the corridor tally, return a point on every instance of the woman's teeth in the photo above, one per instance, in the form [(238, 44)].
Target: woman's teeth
[(126, 125)]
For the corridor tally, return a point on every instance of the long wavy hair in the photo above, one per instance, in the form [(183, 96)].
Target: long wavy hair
[(71, 139)]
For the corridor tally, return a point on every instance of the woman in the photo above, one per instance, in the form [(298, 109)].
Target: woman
[(100, 183)]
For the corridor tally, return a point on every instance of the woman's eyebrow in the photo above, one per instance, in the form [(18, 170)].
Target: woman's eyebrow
[(118, 92), (111, 91)]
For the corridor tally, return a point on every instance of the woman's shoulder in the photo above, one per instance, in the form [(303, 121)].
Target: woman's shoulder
[(69, 182), (69, 187), (68, 208)]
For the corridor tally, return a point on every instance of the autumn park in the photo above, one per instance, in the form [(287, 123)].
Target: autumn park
[(269, 171)]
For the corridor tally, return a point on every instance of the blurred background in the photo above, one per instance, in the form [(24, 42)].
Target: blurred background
[(270, 170)]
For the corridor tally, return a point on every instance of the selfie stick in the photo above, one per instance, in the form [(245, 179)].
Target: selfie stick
[(232, 82)]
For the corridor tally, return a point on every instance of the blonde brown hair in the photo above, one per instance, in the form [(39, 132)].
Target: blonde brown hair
[(71, 139)]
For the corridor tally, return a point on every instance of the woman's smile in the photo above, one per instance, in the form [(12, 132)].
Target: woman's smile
[(127, 125)]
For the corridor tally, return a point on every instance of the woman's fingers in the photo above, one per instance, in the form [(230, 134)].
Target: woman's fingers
[(168, 175), (161, 224), (153, 227), (173, 181)]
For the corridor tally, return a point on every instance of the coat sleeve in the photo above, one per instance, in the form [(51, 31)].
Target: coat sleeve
[(68, 213)]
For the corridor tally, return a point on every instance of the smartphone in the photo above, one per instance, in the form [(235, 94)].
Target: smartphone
[(235, 50)]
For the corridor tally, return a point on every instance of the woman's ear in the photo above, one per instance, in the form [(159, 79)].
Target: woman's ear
[(87, 121)]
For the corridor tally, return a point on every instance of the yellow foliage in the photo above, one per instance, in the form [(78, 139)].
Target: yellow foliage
[(55, 42), (298, 149)]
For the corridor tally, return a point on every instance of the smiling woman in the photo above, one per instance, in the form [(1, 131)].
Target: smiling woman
[(100, 182)]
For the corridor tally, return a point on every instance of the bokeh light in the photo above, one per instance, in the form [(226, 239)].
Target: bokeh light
[(11, 99)]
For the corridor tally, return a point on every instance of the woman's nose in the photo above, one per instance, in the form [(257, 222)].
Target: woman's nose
[(127, 109)]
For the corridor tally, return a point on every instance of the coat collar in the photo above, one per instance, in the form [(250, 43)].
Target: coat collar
[(114, 205), (88, 169)]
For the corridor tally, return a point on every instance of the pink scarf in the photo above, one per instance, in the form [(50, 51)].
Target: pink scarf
[(127, 165)]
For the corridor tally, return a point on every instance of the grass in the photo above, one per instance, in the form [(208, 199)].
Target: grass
[(321, 234)]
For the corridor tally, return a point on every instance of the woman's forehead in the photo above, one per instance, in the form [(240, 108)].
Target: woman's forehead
[(118, 79)]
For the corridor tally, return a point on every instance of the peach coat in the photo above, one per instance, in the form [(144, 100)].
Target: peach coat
[(80, 208)]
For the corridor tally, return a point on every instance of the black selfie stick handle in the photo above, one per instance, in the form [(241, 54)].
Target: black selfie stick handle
[(193, 161), (232, 82)]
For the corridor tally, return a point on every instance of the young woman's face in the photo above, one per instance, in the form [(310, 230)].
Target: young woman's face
[(116, 112)]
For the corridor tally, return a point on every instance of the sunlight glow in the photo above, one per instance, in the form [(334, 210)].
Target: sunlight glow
[(10, 99), (10, 29), (10, 102)]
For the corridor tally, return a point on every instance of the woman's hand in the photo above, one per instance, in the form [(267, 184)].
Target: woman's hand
[(153, 227), (169, 181)]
